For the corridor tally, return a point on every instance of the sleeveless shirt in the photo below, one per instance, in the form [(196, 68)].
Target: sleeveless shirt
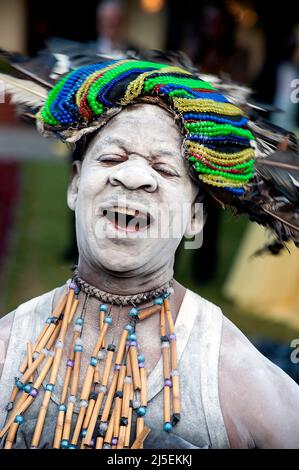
[(198, 330)]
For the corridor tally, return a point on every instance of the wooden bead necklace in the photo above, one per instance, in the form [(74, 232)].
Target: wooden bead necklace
[(108, 400)]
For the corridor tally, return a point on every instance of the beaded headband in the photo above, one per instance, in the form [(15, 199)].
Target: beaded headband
[(217, 141)]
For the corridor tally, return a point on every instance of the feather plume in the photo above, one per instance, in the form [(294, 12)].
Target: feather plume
[(24, 92)]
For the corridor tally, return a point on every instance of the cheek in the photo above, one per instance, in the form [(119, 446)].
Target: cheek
[(92, 182)]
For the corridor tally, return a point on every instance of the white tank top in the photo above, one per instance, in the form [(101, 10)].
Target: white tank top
[(198, 330)]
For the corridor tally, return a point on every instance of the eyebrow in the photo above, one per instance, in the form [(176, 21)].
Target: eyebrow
[(124, 145)]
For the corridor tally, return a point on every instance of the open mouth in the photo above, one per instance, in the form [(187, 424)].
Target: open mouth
[(130, 220)]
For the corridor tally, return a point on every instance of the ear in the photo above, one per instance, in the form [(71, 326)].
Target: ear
[(197, 219), (73, 186)]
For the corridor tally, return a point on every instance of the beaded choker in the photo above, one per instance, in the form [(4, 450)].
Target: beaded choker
[(114, 299), (115, 383)]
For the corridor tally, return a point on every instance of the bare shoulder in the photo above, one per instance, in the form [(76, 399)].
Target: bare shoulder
[(260, 402)]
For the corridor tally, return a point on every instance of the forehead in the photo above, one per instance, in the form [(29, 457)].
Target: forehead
[(141, 128)]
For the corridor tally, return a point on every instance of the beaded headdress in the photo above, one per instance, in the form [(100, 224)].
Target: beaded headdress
[(217, 141), (240, 159)]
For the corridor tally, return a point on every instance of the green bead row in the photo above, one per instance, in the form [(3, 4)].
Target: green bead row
[(211, 128), (239, 166), (200, 168), (110, 75), (169, 80)]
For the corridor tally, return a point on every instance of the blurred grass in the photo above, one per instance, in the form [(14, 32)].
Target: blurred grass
[(36, 264)]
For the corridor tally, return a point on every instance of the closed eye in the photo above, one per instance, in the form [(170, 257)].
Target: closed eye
[(111, 159), (165, 170)]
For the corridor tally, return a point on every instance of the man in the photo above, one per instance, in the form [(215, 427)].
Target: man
[(134, 195)]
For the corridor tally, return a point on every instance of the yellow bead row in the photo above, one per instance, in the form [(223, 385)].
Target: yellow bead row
[(205, 105), (220, 181), (135, 88), (216, 157), (85, 86)]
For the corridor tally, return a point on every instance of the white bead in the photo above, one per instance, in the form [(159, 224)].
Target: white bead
[(174, 373), (78, 328), (35, 355), (59, 344), (72, 399), (102, 389), (136, 404), (128, 380), (165, 344), (79, 342), (83, 404), (171, 290), (102, 354)]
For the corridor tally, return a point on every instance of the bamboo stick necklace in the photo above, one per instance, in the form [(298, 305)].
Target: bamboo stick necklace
[(109, 399)]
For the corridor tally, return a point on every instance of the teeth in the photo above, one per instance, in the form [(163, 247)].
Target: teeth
[(127, 211)]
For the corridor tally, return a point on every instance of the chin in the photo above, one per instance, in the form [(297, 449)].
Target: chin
[(120, 255)]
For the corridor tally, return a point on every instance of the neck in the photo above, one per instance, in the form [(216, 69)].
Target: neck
[(125, 283)]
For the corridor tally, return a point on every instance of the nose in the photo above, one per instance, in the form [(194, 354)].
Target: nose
[(133, 175)]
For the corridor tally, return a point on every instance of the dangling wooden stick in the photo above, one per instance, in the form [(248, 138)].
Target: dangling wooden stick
[(86, 389), (29, 357), (55, 314), (54, 371), (135, 368), (25, 399), (148, 312), (34, 366), (102, 316), (73, 310), (103, 389), (141, 438), (11, 436), (73, 393), (128, 428), (118, 401), (109, 432), (176, 406)]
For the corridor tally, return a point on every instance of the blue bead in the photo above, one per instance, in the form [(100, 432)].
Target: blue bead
[(103, 308), (79, 321), (64, 444), (93, 361), (27, 388), (108, 320), (83, 432), (78, 348), (49, 320), (50, 387), (19, 419), (62, 407), (140, 358), (72, 446), (129, 328), (133, 312), (141, 411), (158, 301), (167, 427), (166, 294), (19, 384), (132, 337), (77, 291)]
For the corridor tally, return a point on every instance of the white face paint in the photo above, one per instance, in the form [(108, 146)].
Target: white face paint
[(134, 163)]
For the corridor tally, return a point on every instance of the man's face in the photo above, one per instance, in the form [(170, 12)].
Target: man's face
[(132, 194)]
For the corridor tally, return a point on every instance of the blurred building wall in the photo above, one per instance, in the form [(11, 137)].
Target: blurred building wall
[(13, 25)]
